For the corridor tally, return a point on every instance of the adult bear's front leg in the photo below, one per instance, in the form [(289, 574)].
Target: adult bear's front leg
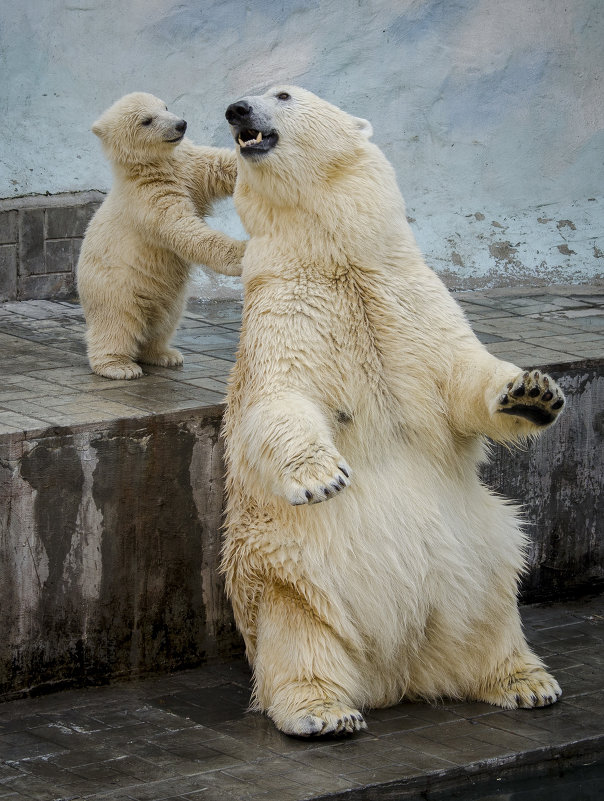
[(533, 396), (287, 440)]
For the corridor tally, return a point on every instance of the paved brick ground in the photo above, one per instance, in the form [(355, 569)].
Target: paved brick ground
[(46, 381), (188, 736)]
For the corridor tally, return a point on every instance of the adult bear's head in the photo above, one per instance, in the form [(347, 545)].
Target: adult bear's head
[(291, 134), (138, 129)]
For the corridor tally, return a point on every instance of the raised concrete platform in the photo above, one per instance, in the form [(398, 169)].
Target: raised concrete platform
[(112, 491), (188, 736)]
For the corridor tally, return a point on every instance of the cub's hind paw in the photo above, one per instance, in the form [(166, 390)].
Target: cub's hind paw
[(534, 396), (170, 357), (119, 368)]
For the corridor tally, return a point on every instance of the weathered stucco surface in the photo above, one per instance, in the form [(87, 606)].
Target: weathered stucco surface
[(492, 112)]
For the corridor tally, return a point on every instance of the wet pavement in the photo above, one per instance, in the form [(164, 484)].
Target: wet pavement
[(45, 379), (188, 735)]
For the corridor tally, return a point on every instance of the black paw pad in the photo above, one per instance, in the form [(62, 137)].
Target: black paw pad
[(518, 393), (558, 404), (540, 417), (547, 396), (534, 392)]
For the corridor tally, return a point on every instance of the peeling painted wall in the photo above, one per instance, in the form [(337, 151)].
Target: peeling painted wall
[(492, 112)]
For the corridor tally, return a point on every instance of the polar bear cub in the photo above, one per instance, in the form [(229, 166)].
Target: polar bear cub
[(364, 558), (136, 257)]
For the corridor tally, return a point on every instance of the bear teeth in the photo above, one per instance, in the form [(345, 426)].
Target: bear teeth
[(250, 141)]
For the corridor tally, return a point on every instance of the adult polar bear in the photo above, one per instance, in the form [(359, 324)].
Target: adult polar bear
[(353, 353)]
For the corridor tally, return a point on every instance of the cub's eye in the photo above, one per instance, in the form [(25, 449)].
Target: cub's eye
[(283, 96), (147, 121)]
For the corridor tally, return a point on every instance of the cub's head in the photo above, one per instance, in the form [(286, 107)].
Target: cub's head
[(138, 128), (292, 134)]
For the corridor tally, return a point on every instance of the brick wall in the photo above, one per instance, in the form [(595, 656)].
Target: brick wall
[(40, 239)]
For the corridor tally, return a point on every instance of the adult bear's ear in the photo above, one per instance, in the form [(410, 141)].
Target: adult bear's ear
[(364, 126)]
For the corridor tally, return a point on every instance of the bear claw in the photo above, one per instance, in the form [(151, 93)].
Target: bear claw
[(311, 482), (537, 392)]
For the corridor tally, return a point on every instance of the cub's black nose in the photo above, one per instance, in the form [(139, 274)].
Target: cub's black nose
[(238, 112), (181, 126)]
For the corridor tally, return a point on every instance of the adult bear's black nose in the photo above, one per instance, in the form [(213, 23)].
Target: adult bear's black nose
[(238, 112), (181, 126)]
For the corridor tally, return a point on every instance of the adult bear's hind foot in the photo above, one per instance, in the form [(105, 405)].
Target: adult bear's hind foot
[(528, 686), (322, 719)]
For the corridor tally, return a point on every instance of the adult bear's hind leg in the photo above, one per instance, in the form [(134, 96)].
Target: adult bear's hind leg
[(518, 679), (520, 682), (304, 678)]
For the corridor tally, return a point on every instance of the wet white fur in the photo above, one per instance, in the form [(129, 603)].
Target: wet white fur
[(135, 261), (403, 583)]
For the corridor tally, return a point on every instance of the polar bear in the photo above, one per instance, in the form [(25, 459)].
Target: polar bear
[(136, 257), (365, 560)]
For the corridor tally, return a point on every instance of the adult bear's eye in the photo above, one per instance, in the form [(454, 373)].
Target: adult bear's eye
[(283, 96), (147, 121)]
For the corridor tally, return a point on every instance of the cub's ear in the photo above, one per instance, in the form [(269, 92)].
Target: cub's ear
[(364, 126), (98, 129)]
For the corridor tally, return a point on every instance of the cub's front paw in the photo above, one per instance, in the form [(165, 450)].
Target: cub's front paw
[(533, 396), (232, 263), (317, 479)]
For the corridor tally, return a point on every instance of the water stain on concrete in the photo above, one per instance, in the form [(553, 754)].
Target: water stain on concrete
[(54, 471), (151, 613)]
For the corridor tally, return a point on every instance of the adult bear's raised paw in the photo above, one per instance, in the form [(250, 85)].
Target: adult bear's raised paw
[(317, 479), (534, 396)]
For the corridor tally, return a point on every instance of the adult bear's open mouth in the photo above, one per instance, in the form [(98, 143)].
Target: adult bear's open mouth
[(252, 141)]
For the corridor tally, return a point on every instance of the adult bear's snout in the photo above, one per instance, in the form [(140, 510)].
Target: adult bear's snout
[(238, 112)]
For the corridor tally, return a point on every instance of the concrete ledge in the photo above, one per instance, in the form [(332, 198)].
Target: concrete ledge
[(110, 535)]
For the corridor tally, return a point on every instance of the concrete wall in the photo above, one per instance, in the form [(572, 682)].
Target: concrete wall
[(99, 583), (110, 537), (491, 112)]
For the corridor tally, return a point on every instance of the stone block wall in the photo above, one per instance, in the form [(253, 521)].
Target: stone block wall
[(40, 239)]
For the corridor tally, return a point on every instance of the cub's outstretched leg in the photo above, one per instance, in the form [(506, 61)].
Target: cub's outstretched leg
[(302, 669)]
